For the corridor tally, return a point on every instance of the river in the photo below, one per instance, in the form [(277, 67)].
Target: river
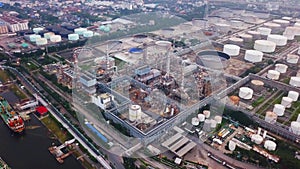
[(29, 150)]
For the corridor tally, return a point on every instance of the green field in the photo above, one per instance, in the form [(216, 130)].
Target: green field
[(4, 76)]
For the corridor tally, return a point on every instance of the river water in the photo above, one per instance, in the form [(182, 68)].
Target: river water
[(30, 149)]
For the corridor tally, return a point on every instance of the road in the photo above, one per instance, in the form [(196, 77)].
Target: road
[(75, 133)]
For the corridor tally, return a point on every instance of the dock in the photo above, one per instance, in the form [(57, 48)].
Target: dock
[(58, 153)]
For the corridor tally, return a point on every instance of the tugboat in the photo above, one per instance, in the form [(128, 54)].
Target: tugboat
[(11, 118)]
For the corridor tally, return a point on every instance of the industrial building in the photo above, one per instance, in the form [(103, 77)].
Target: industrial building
[(14, 24)]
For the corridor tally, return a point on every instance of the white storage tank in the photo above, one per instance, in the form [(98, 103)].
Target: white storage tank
[(213, 123), (257, 139), (273, 74), (246, 37), (231, 50), (195, 121), (282, 22), (293, 95), (279, 109), (73, 37), (48, 35), (218, 119), (292, 30), (257, 85), (253, 56), (88, 34), (55, 38), (255, 34), (231, 145), (291, 58), (134, 113), (271, 117), (236, 41), (163, 45), (246, 93), (286, 102), (201, 117), (37, 30), (295, 81), (33, 38), (287, 18), (295, 127), (274, 26), (280, 40), (264, 31), (41, 41), (80, 31), (282, 68), (270, 145), (297, 24), (206, 113), (265, 46), (206, 125), (288, 36)]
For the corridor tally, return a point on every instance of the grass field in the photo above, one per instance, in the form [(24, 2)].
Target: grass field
[(4, 76)]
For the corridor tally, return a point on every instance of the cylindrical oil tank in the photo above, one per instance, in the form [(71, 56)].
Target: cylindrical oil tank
[(134, 112), (88, 34), (55, 38), (274, 26), (288, 36), (255, 34), (270, 145), (207, 125), (295, 127), (73, 37), (213, 59), (41, 41), (234, 100), (287, 18), (80, 31), (246, 37), (286, 102), (280, 40), (206, 113), (271, 117), (295, 81), (163, 45), (34, 38), (293, 95), (201, 117), (297, 24), (291, 30), (265, 46), (236, 41), (253, 56), (231, 145), (273, 74), (246, 93), (37, 30), (195, 121), (282, 68), (257, 139), (218, 119), (257, 85), (291, 58), (136, 52), (231, 50), (213, 123), (283, 23), (279, 109), (48, 35), (140, 38), (264, 31)]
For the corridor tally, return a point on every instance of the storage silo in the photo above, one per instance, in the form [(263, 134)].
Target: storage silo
[(265, 46), (41, 41), (257, 85), (55, 38), (246, 93), (288, 36), (80, 31), (255, 34), (37, 30), (270, 145), (295, 127), (135, 112), (236, 41), (246, 37), (295, 81), (195, 121), (218, 119), (280, 40), (231, 50), (291, 58), (274, 26), (293, 95), (286, 102), (253, 56), (264, 31), (34, 38), (206, 113), (73, 37), (273, 74), (201, 117), (283, 23), (88, 34), (47, 35), (295, 31), (282, 68), (279, 109), (213, 59), (257, 139), (271, 117)]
